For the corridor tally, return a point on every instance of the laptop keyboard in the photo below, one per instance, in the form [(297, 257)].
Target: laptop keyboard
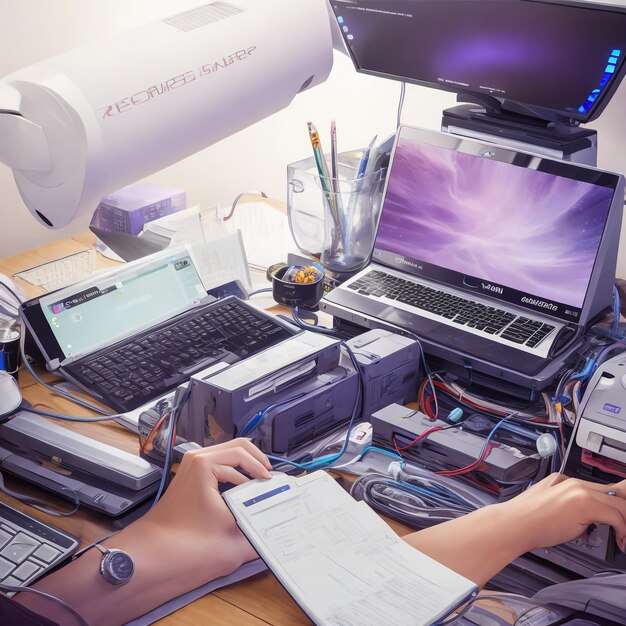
[(28, 547), (464, 312), (131, 374)]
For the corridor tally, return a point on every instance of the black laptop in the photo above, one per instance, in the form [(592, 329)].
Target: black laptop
[(132, 334), (498, 260)]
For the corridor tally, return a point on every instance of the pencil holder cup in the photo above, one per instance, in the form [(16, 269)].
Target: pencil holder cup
[(334, 219)]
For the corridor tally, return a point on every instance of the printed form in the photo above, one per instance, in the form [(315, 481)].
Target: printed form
[(340, 562)]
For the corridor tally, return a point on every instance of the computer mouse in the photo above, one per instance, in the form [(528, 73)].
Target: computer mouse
[(10, 395)]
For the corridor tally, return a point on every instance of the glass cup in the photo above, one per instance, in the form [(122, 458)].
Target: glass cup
[(334, 219)]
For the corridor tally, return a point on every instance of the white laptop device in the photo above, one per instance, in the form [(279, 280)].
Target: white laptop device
[(131, 334), (338, 560), (497, 260)]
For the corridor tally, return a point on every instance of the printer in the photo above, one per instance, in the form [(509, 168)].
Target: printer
[(601, 431)]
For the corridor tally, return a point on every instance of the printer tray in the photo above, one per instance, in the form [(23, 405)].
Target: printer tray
[(91, 491)]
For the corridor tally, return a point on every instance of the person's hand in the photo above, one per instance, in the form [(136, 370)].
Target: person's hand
[(193, 493), (555, 510), (186, 540), (193, 514), (559, 509)]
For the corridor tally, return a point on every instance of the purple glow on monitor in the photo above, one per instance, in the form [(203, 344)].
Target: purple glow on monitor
[(518, 227)]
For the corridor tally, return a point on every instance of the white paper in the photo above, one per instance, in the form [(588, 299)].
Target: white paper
[(338, 559), (62, 272), (218, 253), (265, 231)]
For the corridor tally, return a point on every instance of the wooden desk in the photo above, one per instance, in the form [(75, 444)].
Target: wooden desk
[(252, 602)]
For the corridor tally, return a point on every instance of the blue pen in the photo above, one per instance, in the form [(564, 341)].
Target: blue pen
[(360, 173), (365, 157)]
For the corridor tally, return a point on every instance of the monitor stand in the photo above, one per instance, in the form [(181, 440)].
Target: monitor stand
[(486, 121)]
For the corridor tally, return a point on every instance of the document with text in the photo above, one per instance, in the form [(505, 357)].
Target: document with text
[(339, 561)]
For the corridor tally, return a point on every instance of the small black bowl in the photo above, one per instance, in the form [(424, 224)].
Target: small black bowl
[(289, 293)]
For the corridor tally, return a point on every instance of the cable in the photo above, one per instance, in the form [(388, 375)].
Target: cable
[(69, 418), (43, 594), (258, 417), (175, 413), (257, 291), (400, 103), (428, 379), (233, 206), (40, 505), (484, 453), (415, 500), (331, 458), (299, 321), (365, 452), (420, 437)]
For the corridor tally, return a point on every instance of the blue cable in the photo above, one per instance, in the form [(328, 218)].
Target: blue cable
[(587, 371), (331, 458), (67, 418), (491, 434), (436, 493), (170, 437), (258, 417), (369, 449), (326, 460)]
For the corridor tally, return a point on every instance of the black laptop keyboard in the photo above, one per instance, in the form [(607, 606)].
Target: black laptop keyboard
[(461, 311), (131, 373)]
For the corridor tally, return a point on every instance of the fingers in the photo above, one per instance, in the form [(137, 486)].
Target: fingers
[(238, 453), (226, 474), (247, 445), (238, 457), (612, 511)]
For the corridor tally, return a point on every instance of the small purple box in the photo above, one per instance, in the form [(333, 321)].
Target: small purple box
[(129, 208)]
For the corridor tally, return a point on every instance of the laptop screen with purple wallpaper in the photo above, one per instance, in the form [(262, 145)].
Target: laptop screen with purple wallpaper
[(496, 258)]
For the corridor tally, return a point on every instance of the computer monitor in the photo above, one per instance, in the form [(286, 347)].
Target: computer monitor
[(537, 63)]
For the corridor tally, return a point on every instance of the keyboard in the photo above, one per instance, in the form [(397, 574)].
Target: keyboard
[(462, 311), (29, 548), (62, 272), (135, 371)]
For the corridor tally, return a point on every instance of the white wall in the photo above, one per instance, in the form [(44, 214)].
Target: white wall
[(255, 158)]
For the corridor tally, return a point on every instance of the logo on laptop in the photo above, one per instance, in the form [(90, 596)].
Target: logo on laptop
[(490, 287), (540, 303), (401, 260)]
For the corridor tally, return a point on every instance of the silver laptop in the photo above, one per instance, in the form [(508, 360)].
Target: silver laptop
[(497, 260), (134, 333)]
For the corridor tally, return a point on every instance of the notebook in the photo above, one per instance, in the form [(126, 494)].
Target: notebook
[(132, 334), (497, 260), (337, 559)]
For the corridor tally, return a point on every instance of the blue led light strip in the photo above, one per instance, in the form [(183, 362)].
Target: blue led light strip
[(609, 71)]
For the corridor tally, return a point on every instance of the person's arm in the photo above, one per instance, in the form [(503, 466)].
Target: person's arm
[(186, 540), (554, 511)]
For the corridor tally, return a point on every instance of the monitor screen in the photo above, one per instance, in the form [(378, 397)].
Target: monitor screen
[(98, 312), (527, 230), (561, 59)]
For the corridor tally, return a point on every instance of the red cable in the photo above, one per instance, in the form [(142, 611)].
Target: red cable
[(417, 439), (468, 468)]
